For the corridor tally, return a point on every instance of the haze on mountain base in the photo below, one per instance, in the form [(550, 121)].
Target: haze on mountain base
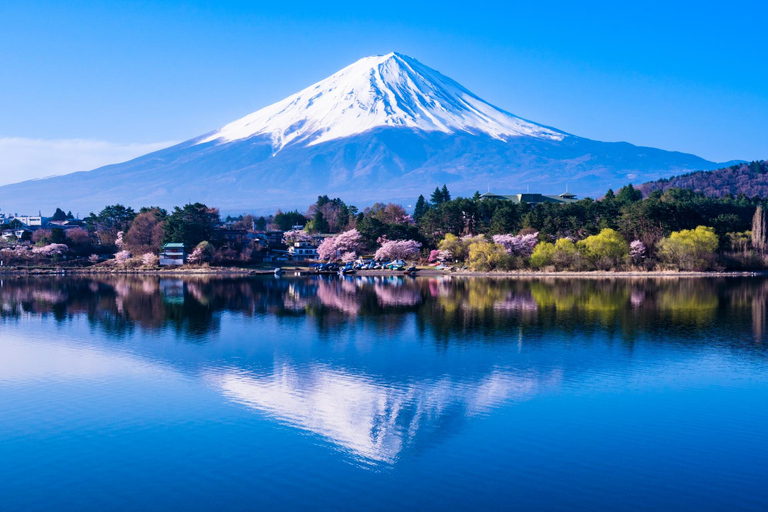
[(386, 128)]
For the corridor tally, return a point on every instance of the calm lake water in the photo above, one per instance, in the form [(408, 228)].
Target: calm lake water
[(383, 394)]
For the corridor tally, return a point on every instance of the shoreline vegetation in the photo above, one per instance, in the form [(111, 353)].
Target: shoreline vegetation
[(294, 270), (670, 232)]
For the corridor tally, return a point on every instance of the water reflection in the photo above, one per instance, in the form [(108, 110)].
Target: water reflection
[(371, 419), (451, 308), (359, 384)]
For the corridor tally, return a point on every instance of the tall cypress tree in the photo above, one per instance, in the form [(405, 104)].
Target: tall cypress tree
[(437, 197), (420, 209)]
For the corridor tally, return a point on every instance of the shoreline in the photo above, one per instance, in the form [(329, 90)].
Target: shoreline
[(425, 272)]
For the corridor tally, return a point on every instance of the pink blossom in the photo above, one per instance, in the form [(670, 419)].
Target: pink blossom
[(296, 235), (398, 250), (349, 256), (637, 251), (51, 250), (517, 245), (122, 256), (333, 247)]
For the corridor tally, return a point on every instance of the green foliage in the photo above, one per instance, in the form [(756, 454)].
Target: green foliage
[(59, 215), (605, 250), (420, 209), (285, 221), (58, 236), (543, 255), (109, 222), (191, 224), (485, 256), (690, 249), (564, 255)]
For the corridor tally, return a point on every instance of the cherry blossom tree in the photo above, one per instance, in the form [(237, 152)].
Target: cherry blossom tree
[(398, 249), (637, 251), (517, 245), (296, 235), (50, 250), (150, 259), (333, 247), (123, 256)]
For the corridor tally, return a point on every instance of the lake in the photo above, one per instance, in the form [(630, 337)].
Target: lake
[(383, 393)]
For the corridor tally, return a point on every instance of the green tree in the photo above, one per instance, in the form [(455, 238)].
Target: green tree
[(446, 195), (564, 253), (543, 255), (190, 225), (605, 250), (437, 197), (58, 236), (286, 221), (628, 194), (485, 256), (59, 215), (421, 208), (109, 222), (690, 249)]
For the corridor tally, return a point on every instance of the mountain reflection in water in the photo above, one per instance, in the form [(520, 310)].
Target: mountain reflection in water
[(354, 397)]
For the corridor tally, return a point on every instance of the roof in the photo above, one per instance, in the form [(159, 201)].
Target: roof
[(533, 198), (174, 245)]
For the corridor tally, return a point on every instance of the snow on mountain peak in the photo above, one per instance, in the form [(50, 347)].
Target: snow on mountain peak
[(390, 90)]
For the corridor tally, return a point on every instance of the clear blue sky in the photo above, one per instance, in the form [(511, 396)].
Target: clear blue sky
[(687, 76)]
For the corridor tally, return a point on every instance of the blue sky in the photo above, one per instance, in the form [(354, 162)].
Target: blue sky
[(85, 83)]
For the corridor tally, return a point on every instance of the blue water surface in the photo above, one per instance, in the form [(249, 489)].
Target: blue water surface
[(314, 393)]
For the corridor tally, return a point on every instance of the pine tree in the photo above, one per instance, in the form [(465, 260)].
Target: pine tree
[(421, 208), (446, 194), (437, 197)]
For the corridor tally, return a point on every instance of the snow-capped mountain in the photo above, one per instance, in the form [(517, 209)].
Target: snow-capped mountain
[(390, 90), (386, 128)]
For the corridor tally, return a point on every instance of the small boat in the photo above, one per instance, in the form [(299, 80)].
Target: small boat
[(278, 271)]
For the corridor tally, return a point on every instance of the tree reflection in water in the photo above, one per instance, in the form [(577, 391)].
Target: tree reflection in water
[(450, 308), (382, 397)]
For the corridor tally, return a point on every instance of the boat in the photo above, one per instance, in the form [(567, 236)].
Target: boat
[(278, 271)]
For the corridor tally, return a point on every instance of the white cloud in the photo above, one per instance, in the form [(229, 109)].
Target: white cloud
[(25, 159)]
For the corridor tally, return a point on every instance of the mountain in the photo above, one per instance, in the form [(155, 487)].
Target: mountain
[(749, 179), (384, 128)]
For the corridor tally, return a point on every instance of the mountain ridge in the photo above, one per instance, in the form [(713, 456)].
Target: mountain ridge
[(384, 128)]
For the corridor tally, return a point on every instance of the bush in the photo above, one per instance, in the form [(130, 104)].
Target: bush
[(150, 259), (606, 250), (690, 249), (565, 254), (485, 256), (542, 255), (203, 253)]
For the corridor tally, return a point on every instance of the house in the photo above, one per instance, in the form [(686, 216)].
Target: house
[(532, 199), (172, 254), (301, 251)]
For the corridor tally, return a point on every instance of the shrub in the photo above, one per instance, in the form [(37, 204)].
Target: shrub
[(149, 259), (690, 249), (605, 250), (122, 257), (203, 253), (485, 256), (542, 255), (564, 254)]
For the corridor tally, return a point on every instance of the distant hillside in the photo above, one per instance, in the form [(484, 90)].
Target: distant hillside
[(750, 179)]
